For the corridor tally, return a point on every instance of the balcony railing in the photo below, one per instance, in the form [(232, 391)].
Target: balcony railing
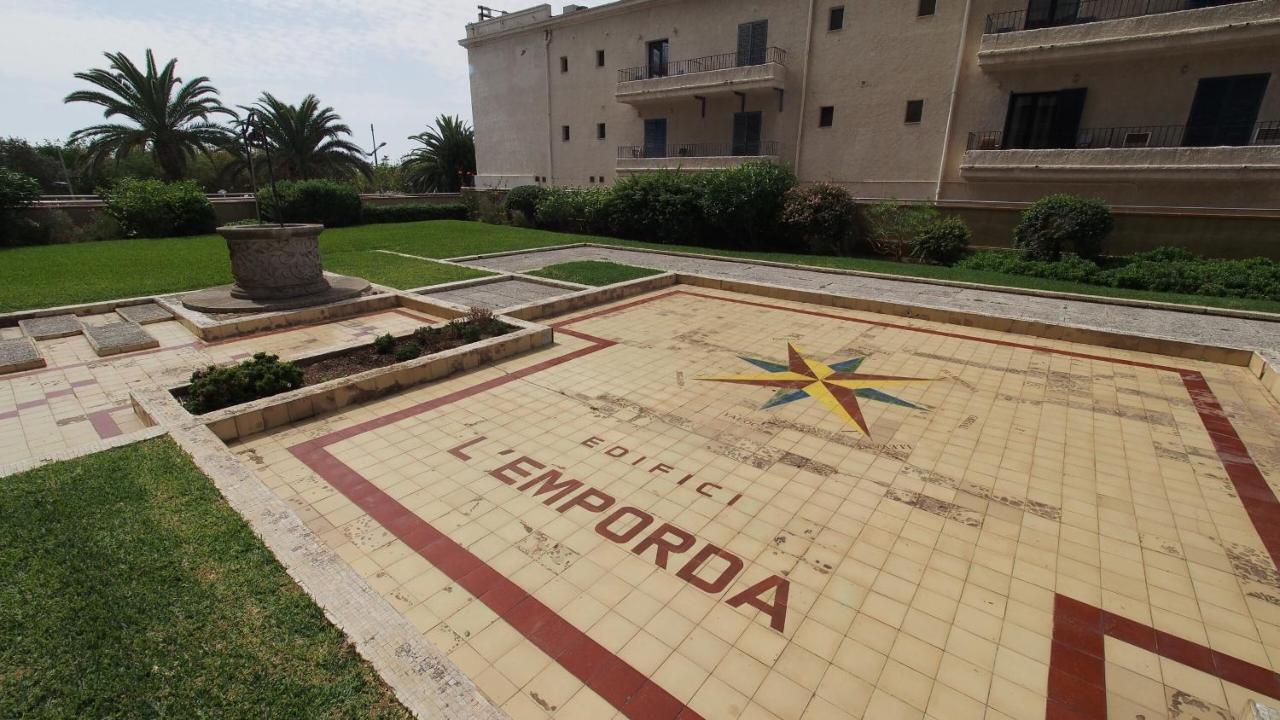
[(709, 63), (1149, 136), (700, 150), (1079, 12)]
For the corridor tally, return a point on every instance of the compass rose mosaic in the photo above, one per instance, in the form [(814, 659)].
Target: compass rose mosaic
[(838, 386)]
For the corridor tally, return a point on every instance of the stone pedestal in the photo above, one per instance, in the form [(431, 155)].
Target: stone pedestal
[(276, 267), (274, 262)]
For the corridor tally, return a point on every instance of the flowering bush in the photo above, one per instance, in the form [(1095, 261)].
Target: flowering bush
[(822, 217)]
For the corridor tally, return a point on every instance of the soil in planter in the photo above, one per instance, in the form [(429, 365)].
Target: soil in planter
[(365, 357)]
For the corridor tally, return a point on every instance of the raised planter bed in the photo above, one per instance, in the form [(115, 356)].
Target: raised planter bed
[(344, 362)]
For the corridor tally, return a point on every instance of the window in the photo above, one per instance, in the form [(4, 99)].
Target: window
[(836, 20), (1224, 110), (753, 43), (599, 58), (592, 179), (826, 116), (915, 111), (564, 133), (564, 64), (1045, 119), (927, 7), (599, 131)]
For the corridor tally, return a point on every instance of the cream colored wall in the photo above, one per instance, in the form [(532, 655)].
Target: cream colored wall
[(884, 56)]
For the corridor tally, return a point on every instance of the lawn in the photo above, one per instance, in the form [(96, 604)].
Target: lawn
[(131, 590), (593, 272), (49, 275)]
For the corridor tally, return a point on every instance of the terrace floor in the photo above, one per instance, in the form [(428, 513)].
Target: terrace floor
[(699, 503)]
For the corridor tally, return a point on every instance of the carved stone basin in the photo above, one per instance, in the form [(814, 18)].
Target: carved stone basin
[(276, 267)]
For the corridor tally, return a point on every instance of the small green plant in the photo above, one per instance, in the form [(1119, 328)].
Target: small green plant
[(822, 217), (1055, 224), (328, 202), (17, 191), (523, 199), (408, 351), (152, 208), (261, 376), (942, 242), (891, 226), (384, 344)]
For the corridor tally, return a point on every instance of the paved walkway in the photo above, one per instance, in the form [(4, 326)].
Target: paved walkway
[(1164, 324), (702, 504)]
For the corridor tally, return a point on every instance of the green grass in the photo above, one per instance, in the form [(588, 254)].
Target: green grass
[(63, 274), (594, 272), (131, 590)]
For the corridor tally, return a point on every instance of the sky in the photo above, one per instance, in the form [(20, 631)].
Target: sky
[(394, 63)]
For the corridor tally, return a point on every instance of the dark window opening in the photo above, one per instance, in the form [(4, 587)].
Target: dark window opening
[(826, 115), (746, 133), (564, 64), (1044, 120), (655, 137), (599, 131), (658, 53), (1051, 13), (836, 20), (753, 41), (1224, 110), (599, 58), (564, 133), (592, 179), (927, 7), (915, 111)]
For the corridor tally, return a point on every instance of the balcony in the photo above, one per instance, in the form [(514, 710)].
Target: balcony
[(724, 73), (695, 156), (1141, 153), (1075, 31)]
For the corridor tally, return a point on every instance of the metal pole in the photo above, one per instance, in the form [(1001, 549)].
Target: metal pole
[(65, 175)]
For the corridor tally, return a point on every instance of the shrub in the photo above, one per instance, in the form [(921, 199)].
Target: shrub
[(328, 202), (408, 351), (261, 376), (524, 199), (1058, 223), (744, 205), (663, 206), (890, 227), (153, 208), (574, 210), (942, 242), (384, 344), (17, 191), (414, 212), (1071, 268), (822, 217), (1257, 278)]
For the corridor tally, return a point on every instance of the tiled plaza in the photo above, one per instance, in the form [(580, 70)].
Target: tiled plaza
[(80, 397), (705, 504)]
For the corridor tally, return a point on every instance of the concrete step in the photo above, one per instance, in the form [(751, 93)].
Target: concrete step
[(118, 337), (144, 314), (50, 327), (17, 354)]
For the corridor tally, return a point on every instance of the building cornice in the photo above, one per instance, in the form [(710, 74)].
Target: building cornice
[(619, 7)]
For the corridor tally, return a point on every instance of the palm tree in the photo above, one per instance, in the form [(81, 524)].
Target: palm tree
[(169, 117), (446, 158), (308, 141)]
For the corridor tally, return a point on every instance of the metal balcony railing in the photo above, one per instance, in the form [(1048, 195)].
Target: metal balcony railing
[(700, 150), (1079, 12), (703, 64), (1149, 136)]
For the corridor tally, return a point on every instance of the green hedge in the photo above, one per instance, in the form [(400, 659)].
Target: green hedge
[(414, 212), (1171, 270), (155, 209), (1055, 224), (328, 202)]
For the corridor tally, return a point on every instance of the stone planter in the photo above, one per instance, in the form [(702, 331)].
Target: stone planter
[(275, 262), (276, 267)]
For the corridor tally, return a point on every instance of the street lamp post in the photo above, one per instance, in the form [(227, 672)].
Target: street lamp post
[(374, 139)]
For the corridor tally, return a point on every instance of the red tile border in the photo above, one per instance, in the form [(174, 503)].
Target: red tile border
[(1077, 665), (104, 424), (1077, 682)]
